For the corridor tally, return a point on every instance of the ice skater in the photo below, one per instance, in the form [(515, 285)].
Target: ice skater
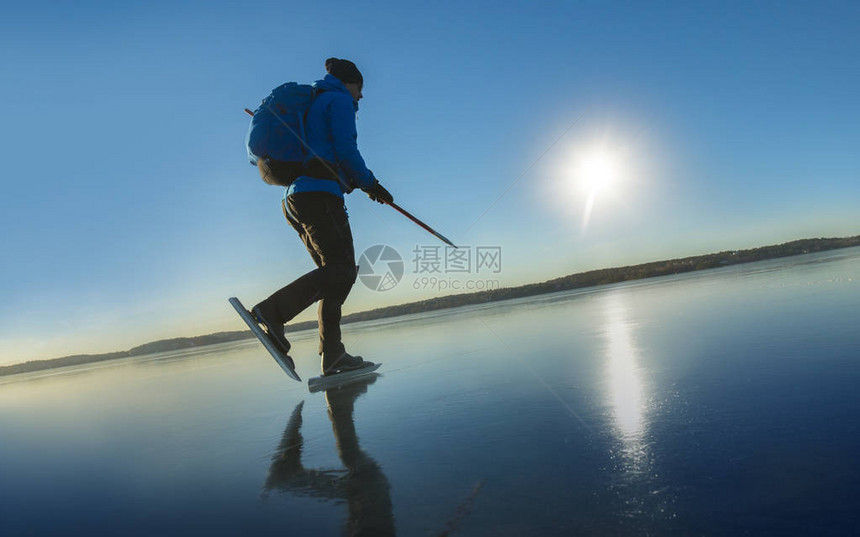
[(314, 206)]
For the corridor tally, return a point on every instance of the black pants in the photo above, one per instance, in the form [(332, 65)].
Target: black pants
[(320, 220)]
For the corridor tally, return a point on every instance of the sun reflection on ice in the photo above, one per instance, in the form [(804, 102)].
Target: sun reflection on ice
[(625, 389)]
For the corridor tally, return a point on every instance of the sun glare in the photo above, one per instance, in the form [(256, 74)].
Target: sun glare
[(598, 172)]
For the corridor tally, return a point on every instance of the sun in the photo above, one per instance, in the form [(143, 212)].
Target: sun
[(598, 172)]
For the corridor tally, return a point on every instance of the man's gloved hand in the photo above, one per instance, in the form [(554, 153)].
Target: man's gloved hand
[(378, 193)]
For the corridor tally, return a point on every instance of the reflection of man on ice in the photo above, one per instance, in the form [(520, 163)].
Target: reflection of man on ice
[(363, 486)]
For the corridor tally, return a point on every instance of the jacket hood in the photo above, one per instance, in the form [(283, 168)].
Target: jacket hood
[(332, 83)]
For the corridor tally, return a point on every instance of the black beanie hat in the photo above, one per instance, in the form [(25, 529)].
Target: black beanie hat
[(344, 70)]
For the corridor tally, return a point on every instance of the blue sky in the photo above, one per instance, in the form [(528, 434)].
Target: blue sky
[(130, 213)]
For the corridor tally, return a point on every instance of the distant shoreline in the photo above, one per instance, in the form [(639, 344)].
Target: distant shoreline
[(580, 280)]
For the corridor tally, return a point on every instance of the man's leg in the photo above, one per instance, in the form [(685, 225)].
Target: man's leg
[(329, 235), (337, 287), (289, 301), (321, 221)]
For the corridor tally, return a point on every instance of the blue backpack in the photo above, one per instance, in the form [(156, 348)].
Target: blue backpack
[(277, 131)]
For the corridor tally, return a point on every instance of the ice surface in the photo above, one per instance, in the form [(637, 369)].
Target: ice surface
[(723, 402)]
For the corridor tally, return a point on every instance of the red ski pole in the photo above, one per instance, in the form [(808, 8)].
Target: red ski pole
[(422, 224)]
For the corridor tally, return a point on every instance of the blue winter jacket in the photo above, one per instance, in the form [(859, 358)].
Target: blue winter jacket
[(331, 134)]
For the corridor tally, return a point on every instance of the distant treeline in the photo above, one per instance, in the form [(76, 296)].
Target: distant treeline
[(147, 348), (573, 281), (612, 275)]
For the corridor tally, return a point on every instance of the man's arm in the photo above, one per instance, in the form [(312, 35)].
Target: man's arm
[(345, 138)]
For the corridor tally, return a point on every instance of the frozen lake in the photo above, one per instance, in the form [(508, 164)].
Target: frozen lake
[(723, 402)]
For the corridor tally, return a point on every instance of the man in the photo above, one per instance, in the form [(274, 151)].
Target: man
[(314, 206)]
